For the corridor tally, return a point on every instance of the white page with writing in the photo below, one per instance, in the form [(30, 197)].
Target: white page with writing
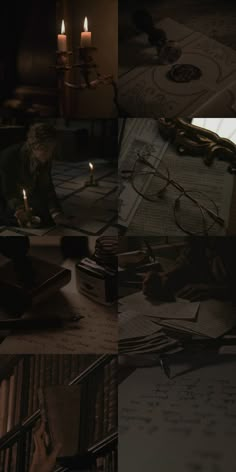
[(187, 423), (140, 135)]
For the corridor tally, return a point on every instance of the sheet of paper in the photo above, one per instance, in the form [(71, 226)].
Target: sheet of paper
[(137, 326), (143, 306), (97, 332), (187, 423), (145, 90), (139, 136), (158, 218), (214, 319)]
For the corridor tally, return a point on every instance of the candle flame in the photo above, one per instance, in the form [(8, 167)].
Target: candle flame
[(91, 166), (86, 24), (24, 193), (63, 29)]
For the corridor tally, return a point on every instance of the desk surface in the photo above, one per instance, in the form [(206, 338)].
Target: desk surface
[(96, 333)]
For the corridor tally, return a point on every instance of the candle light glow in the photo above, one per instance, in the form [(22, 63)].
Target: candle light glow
[(63, 28), (26, 205), (86, 24), (91, 172)]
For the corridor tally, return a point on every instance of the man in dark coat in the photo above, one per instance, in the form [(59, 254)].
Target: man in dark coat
[(27, 167)]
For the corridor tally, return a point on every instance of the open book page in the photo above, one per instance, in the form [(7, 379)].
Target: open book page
[(185, 423), (139, 136)]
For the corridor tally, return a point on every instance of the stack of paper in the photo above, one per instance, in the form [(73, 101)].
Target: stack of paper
[(211, 318), (139, 335), (181, 310), (214, 319)]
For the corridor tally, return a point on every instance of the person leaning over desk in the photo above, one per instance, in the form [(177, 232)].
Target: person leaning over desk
[(206, 268), (28, 166)]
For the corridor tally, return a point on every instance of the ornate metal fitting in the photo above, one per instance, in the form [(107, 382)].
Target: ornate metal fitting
[(196, 141)]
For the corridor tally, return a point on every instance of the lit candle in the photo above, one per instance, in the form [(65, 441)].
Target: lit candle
[(26, 205), (91, 172), (86, 36), (62, 39)]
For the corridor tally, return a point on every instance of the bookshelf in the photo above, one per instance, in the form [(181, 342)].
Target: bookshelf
[(20, 379)]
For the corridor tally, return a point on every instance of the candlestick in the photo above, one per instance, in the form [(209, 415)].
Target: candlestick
[(86, 36), (62, 39), (26, 205)]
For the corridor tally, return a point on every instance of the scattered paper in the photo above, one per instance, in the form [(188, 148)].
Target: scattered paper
[(175, 310), (214, 319)]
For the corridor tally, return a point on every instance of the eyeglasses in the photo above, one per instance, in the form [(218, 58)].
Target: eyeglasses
[(194, 212)]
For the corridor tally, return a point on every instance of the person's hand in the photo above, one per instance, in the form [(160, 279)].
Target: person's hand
[(23, 217), (61, 219), (155, 286), (42, 462)]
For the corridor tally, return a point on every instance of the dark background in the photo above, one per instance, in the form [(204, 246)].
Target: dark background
[(28, 43)]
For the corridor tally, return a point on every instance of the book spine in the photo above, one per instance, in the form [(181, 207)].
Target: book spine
[(7, 463), (91, 408), (4, 405), (106, 399), (31, 385), (19, 383), (14, 458), (99, 408), (25, 386), (12, 401), (113, 394), (41, 372), (36, 382), (28, 439), (60, 369), (66, 369), (54, 370), (47, 370)]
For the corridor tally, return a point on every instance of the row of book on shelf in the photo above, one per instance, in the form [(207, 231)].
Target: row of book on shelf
[(79, 413)]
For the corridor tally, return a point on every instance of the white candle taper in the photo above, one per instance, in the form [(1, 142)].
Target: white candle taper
[(26, 205), (86, 36), (62, 38)]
